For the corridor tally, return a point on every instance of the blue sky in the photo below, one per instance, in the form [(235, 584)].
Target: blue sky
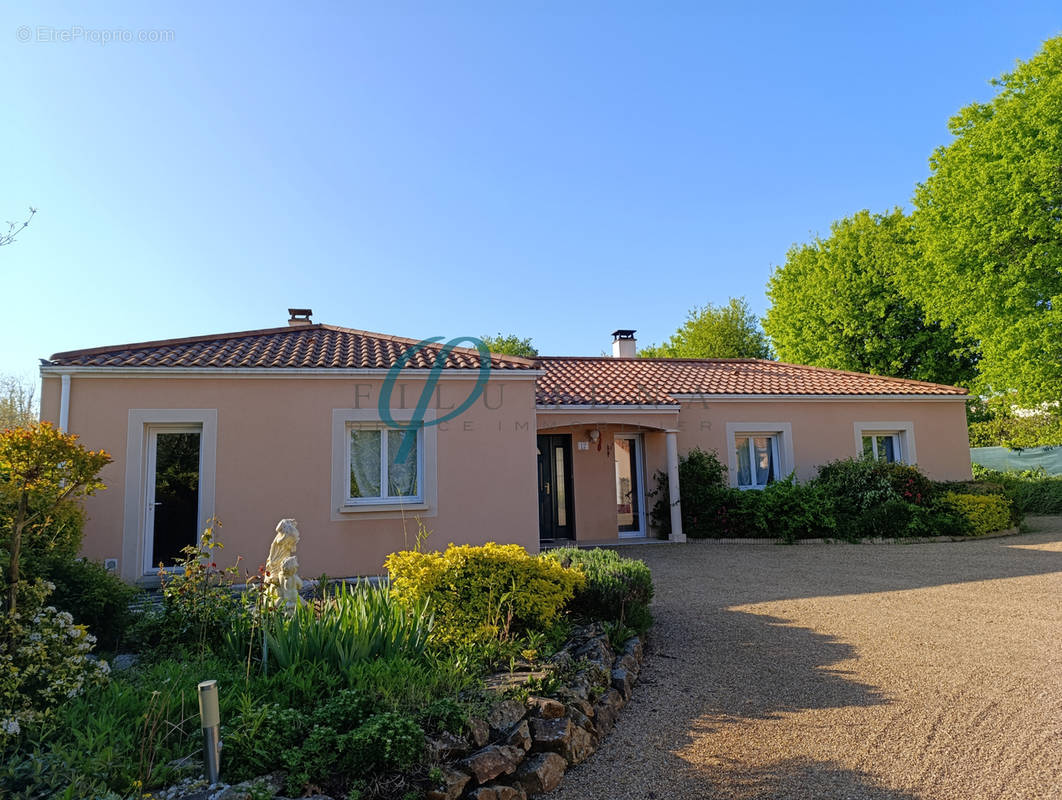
[(556, 170)]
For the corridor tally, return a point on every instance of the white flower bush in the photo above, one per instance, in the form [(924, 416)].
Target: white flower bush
[(45, 659)]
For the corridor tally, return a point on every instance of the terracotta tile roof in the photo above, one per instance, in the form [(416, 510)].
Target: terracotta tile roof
[(305, 346), (643, 381)]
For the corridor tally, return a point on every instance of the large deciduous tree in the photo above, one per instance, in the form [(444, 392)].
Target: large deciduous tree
[(729, 331), (836, 303), (510, 344), (989, 220)]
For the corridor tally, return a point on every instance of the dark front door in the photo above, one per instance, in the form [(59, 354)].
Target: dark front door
[(556, 519)]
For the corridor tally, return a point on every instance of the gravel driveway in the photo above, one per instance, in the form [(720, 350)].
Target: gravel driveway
[(893, 672)]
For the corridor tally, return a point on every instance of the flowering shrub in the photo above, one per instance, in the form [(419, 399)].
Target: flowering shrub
[(482, 593), (45, 659)]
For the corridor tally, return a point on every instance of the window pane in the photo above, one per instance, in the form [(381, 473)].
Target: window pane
[(764, 460), (741, 446), (364, 463), (887, 448), (627, 515), (402, 476), (868, 447)]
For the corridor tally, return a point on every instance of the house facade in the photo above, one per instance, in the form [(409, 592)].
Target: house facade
[(371, 441)]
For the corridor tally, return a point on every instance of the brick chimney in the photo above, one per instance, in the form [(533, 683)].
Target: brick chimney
[(624, 345), (300, 316)]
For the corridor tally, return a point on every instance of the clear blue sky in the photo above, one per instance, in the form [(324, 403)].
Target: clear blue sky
[(456, 168)]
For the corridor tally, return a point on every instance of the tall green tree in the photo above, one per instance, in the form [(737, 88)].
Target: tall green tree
[(989, 219), (510, 344), (836, 303), (729, 331)]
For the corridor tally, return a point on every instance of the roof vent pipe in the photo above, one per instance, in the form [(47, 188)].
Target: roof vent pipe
[(624, 345), (300, 316)]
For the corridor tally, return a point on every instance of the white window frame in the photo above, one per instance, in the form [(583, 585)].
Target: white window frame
[(903, 431), (345, 507), (140, 423), (782, 444), (385, 499)]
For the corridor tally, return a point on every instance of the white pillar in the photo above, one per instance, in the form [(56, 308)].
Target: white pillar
[(64, 403), (671, 439)]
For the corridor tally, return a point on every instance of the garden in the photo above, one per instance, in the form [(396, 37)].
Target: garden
[(477, 671), (851, 500)]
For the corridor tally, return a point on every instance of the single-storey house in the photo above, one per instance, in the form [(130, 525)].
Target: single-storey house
[(364, 438)]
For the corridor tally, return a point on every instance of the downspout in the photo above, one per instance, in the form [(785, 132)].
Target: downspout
[(671, 442), (64, 403)]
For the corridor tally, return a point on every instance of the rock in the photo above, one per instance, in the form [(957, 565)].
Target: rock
[(550, 734), (579, 747), (596, 651), (583, 706), (541, 773), (502, 716), (479, 730), (622, 682), (124, 661), (451, 786), (634, 647), (520, 736), (546, 707), (606, 711), (627, 662), (492, 761), (447, 746), (271, 783), (503, 792), (580, 720)]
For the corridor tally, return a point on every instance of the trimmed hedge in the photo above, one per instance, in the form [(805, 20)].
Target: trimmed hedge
[(985, 513), (849, 499), (482, 593), (616, 588)]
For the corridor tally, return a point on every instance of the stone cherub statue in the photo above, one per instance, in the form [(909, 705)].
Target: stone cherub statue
[(282, 579)]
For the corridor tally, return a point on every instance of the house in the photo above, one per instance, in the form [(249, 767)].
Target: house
[(364, 438)]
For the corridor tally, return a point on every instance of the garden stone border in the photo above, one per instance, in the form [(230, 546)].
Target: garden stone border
[(531, 745)]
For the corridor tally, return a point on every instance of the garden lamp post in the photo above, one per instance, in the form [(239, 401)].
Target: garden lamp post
[(211, 716)]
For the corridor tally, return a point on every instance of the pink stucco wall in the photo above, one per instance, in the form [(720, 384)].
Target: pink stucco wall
[(274, 460)]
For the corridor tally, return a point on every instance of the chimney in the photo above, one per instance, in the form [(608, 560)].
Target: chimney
[(300, 316), (624, 345)]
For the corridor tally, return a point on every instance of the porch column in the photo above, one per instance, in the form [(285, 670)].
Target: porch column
[(671, 440)]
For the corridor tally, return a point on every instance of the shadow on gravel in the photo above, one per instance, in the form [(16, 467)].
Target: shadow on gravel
[(794, 778)]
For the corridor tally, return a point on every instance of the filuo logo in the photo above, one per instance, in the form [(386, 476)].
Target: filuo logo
[(417, 421)]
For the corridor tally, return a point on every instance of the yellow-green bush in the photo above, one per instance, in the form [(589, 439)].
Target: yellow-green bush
[(486, 592), (984, 512)]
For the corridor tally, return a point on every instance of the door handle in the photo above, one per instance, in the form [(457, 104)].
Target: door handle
[(547, 487)]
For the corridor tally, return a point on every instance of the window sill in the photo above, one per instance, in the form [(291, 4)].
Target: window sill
[(362, 508)]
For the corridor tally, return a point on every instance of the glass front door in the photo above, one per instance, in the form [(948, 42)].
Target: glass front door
[(555, 510), (172, 503), (630, 511)]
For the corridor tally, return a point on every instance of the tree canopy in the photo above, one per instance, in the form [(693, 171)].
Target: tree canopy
[(18, 402), (510, 345), (989, 221), (729, 331), (835, 303)]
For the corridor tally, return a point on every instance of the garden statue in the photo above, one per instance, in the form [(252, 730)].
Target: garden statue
[(281, 578)]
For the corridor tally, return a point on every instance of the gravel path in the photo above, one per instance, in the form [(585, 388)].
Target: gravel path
[(894, 672)]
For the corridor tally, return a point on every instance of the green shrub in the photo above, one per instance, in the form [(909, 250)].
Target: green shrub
[(856, 485), (793, 511), (45, 660), (353, 624), (97, 598), (483, 593), (703, 491), (1031, 491), (616, 588), (984, 512), (390, 741)]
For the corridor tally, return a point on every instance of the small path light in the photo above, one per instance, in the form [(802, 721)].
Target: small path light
[(211, 716)]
